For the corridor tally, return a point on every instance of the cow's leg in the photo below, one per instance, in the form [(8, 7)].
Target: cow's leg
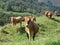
[(34, 35), (47, 15), (12, 23), (50, 16), (27, 35)]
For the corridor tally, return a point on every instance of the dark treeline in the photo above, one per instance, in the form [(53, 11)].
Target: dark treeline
[(31, 6)]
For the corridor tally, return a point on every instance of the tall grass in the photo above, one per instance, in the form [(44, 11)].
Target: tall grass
[(49, 33)]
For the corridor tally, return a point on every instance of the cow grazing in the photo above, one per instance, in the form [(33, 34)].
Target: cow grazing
[(57, 13), (16, 20), (48, 14), (31, 28)]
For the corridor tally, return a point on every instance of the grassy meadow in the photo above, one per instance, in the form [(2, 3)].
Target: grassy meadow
[(49, 33)]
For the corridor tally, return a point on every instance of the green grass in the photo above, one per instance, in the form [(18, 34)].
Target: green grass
[(49, 33), (17, 13)]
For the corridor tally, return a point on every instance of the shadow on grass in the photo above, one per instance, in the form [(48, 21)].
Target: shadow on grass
[(55, 20), (5, 32), (42, 29), (21, 30), (53, 43), (5, 40)]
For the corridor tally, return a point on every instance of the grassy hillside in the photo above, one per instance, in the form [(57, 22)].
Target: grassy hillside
[(49, 33)]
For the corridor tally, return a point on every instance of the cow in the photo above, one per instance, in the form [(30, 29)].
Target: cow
[(16, 20), (56, 13), (48, 14), (31, 28), (32, 18)]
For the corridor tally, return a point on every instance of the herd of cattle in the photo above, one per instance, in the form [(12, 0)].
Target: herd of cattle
[(31, 27), (49, 14)]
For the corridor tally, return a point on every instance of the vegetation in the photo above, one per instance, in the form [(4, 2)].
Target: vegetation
[(31, 6), (49, 29), (49, 33)]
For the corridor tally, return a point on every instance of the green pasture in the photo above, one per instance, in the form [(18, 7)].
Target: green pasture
[(49, 33)]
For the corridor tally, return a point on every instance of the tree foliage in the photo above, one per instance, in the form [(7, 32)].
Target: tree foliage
[(27, 6)]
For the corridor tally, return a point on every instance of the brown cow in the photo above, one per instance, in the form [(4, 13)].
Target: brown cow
[(16, 20), (48, 14), (31, 17), (56, 13), (31, 28)]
